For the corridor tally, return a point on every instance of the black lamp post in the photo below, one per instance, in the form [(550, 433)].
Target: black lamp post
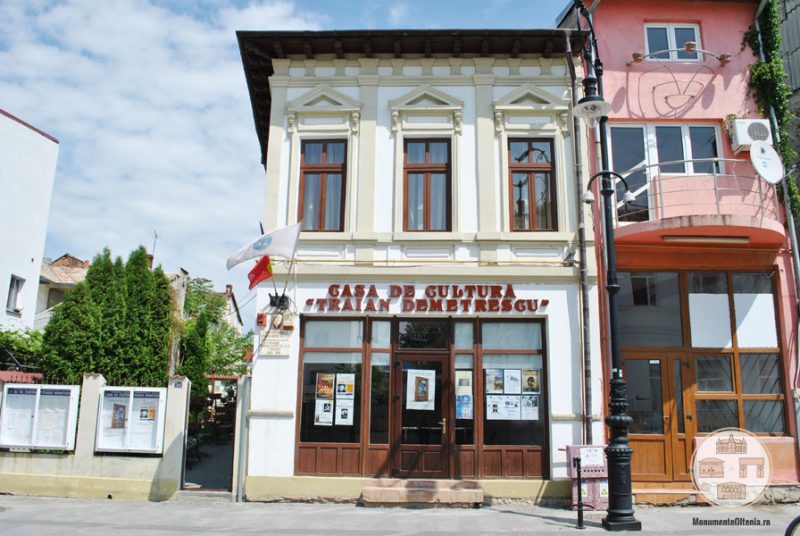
[(592, 106)]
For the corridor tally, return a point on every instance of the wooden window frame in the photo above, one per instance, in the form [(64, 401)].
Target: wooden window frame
[(322, 169), (531, 169), (427, 169)]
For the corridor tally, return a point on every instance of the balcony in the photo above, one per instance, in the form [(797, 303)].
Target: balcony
[(721, 202)]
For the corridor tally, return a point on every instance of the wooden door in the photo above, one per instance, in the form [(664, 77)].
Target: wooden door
[(421, 409), (681, 382)]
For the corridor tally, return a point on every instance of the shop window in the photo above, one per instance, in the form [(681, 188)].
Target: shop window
[(709, 311), (761, 374), (715, 414), (645, 396), (532, 175), (379, 399), (650, 309), (423, 334), (666, 41), (14, 290), (513, 380), (322, 178), (714, 373), (755, 310), (328, 334), (764, 416), (464, 336), (381, 334), (464, 397), (427, 185)]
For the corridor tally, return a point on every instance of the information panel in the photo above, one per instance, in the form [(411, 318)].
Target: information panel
[(131, 419), (39, 416)]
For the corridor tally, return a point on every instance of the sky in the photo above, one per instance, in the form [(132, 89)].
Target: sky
[(149, 103)]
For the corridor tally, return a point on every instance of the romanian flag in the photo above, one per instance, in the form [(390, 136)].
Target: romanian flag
[(260, 272)]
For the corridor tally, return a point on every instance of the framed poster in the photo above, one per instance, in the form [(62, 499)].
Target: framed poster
[(345, 386), (421, 389), (39, 416), (323, 412), (131, 419), (502, 408), (530, 381), (463, 394), (530, 407), (513, 381), (344, 413), (325, 382), (494, 381)]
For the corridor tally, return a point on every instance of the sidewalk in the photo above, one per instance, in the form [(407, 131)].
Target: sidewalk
[(22, 516)]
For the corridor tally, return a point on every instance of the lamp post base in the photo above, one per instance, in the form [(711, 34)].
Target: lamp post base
[(619, 525)]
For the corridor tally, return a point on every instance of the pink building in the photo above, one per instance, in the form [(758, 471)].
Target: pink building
[(707, 300)]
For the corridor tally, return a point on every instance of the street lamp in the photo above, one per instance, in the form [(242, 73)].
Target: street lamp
[(591, 107)]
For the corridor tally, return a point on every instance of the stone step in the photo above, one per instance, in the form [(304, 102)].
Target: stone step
[(393, 491), (202, 495)]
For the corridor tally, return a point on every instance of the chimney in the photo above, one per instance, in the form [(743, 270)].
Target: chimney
[(228, 290), (150, 260)]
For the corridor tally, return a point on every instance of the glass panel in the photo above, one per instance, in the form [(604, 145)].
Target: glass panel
[(715, 414), (512, 335), (678, 394), (709, 317), (312, 152), (333, 334), (764, 416), (421, 419), (521, 212), (381, 334), (335, 153), (333, 201), (423, 334), (379, 398), (465, 399), (327, 417), (438, 202), (416, 201), (713, 373), (541, 152), (682, 35), (513, 399), (656, 41), (439, 153), (520, 151), (464, 339), (628, 152), (644, 396), (755, 310), (416, 152), (310, 198), (669, 143), (761, 374), (704, 145), (544, 218), (650, 309)]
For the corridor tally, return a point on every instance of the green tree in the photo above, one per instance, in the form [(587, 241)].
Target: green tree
[(107, 289), (72, 338), (25, 346), (227, 350), (139, 318), (162, 331), (200, 297), (195, 354)]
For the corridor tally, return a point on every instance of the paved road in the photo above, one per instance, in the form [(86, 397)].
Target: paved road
[(20, 516)]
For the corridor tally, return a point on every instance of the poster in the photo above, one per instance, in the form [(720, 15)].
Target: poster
[(118, 415), (592, 457), (344, 413), (464, 394), (530, 407), (17, 418), (530, 381), (142, 420), (323, 412), (502, 408), (421, 389), (113, 419), (513, 381), (345, 386), (131, 419), (325, 385), (52, 422), (494, 381)]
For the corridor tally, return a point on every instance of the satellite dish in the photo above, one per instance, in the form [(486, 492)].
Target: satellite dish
[(766, 161)]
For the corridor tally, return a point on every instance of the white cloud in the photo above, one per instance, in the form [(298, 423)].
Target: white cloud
[(399, 12), (151, 108)]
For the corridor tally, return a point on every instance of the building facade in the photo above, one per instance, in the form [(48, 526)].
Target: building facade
[(26, 182), (708, 298), (434, 326)]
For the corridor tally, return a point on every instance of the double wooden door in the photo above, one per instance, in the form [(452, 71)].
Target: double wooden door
[(421, 409), (661, 404)]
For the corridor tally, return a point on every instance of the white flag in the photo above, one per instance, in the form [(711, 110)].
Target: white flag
[(279, 243)]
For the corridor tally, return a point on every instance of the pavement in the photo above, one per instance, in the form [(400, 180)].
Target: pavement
[(20, 516)]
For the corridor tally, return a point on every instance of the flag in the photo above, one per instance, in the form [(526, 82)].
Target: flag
[(278, 243), (260, 272)]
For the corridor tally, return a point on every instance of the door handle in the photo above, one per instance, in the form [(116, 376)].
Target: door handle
[(443, 422)]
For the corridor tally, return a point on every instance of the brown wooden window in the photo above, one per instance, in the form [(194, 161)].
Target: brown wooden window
[(427, 186), (532, 183), (322, 179)]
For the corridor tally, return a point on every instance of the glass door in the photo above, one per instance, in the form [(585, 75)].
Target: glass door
[(421, 411)]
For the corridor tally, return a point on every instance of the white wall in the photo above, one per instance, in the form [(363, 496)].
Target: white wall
[(27, 168)]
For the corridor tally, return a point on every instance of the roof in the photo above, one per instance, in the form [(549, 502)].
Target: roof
[(15, 376), (258, 49), (67, 276), (23, 123)]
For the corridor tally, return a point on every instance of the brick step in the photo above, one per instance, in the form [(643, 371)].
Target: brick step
[(395, 491)]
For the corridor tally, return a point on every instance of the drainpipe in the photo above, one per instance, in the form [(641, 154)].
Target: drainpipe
[(586, 417), (792, 236)]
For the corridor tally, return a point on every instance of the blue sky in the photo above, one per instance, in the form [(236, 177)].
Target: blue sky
[(149, 103)]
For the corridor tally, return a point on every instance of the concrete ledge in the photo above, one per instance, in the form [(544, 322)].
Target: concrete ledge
[(304, 488), (86, 487), (536, 491)]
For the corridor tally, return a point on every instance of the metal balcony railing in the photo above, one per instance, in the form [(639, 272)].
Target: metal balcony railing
[(699, 187)]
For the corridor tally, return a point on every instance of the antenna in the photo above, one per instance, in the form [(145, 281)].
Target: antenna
[(155, 239)]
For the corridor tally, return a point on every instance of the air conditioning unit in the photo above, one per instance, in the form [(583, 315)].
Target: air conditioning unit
[(745, 131)]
